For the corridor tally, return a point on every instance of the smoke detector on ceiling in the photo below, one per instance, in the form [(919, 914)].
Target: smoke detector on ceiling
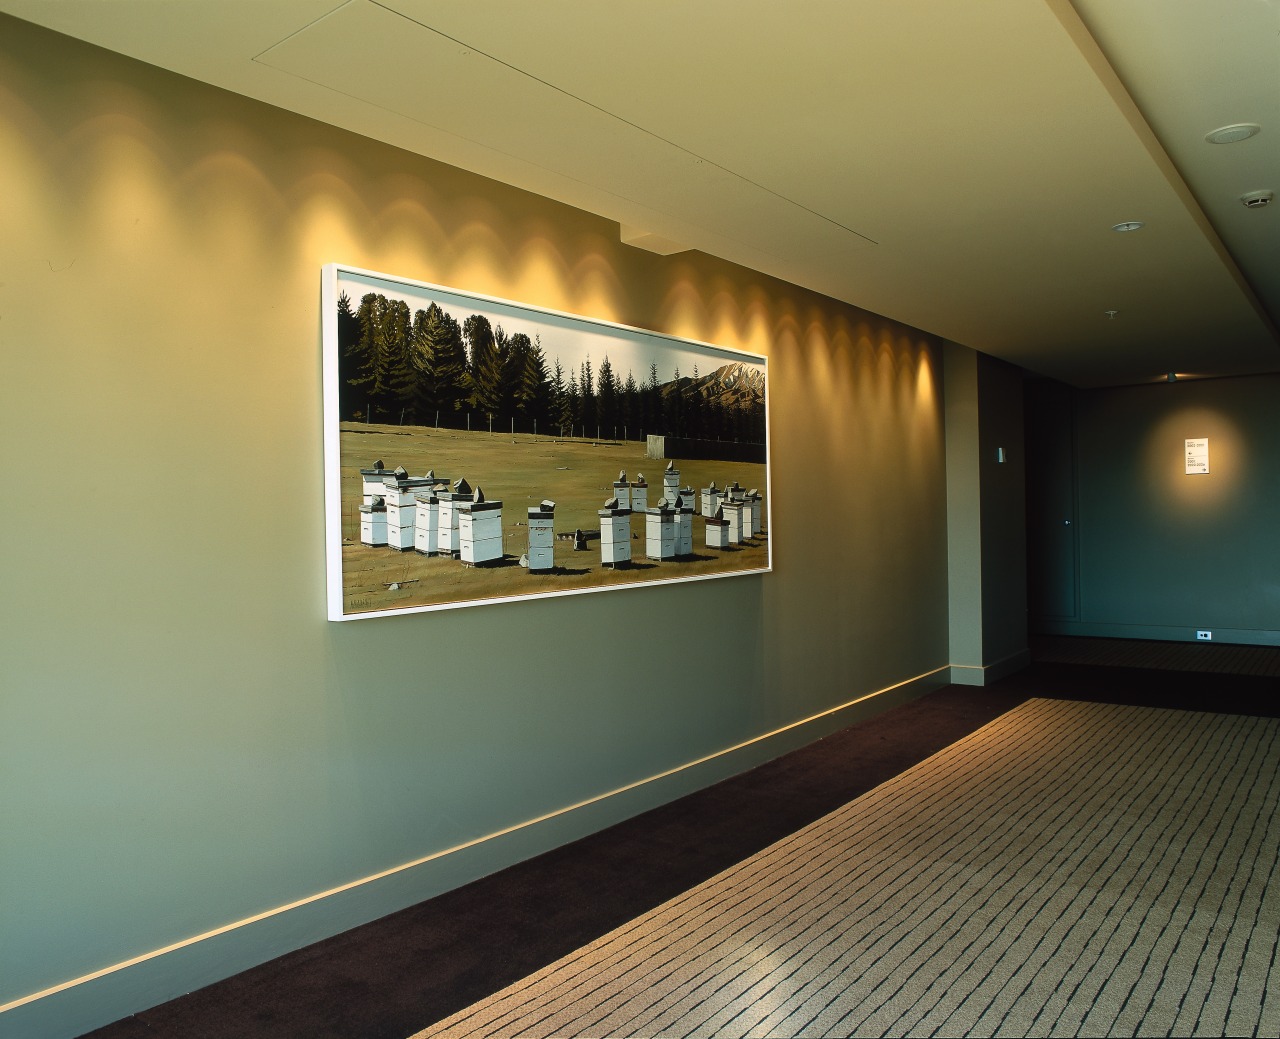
[(1231, 134), (1257, 199)]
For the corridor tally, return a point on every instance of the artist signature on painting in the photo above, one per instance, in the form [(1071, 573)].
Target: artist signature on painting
[(357, 604)]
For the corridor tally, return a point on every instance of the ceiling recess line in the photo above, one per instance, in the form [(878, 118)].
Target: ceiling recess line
[(627, 122), (524, 160), (1110, 79), (280, 43), (448, 133)]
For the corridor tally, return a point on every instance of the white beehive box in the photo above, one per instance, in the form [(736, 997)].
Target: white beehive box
[(710, 499), (660, 531), (426, 524), (447, 543), (717, 530), (401, 490), (622, 490), (479, 529), (615, 534), (734, 492), (400, 526), (733, 513), (753, 496), (402, 509), (639, 494), (542, 538), (684, 526), (373, 522), (447, 531), (671, 482), (748, 525), (372, 481)]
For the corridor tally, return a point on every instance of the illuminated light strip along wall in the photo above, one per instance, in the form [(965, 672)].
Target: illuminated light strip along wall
[(909, 688)]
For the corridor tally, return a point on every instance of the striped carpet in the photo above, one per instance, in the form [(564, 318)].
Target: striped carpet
[(1069, 869)]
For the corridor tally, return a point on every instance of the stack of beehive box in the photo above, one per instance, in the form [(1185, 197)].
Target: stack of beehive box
[(400, 491), (447, 531), (542, 538), (615, 534), (660, 531), (671, 482), (622, 490), (710, 500), (684, 525), (717, 530), (639, 494), (479, 529), (373, 522)]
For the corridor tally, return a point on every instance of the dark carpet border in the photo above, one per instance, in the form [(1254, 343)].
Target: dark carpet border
[(395, 976)]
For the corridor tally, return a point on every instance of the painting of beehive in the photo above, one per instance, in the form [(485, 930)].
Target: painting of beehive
[(551, 414)]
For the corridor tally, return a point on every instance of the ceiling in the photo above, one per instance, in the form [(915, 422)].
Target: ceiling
[(955, 166)]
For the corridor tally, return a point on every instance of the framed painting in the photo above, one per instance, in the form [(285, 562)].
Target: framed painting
[(481, 450)]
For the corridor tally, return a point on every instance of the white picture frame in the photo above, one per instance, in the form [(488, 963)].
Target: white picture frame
[(674, 427)]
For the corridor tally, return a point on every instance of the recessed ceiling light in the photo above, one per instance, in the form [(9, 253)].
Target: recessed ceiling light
[(1234, 132), (1128, 225)]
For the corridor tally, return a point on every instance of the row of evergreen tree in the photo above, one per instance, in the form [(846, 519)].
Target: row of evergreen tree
[(424, 368)]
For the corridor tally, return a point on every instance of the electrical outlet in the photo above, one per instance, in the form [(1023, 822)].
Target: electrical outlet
[(1204, 636)]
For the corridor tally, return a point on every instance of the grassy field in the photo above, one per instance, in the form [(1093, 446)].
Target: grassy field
[(520, 472)]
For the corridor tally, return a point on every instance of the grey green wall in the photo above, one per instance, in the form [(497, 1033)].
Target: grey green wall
[(187, 748), (986, 500), (1158, 553)]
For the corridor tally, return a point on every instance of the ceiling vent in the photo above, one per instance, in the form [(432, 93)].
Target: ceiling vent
[(1257, 199)]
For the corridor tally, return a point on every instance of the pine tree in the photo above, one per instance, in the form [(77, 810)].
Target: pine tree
[(426, 399), (607, 397), (587, 413), (380, 352), (519, 347), (503, 399), (563, 408), (673, 408), (401, 378), (360, 357), (572, 414), (449, 357), (532, 392), (651, 416), (630, 405), (693, 402), (348, 363), (484, 368)]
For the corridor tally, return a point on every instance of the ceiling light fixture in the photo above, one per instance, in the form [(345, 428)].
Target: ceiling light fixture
[(1128, 225), (1234, 132), (1171, 377)]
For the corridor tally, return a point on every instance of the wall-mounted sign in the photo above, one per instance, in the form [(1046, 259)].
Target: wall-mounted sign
[(1197, 456)]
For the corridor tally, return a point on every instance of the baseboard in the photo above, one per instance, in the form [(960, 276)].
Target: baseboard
[(972, 674), (131, 986), (1157, 632)]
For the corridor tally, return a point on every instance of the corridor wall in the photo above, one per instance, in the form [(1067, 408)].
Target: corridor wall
[(200, 772), (1124, 542)]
